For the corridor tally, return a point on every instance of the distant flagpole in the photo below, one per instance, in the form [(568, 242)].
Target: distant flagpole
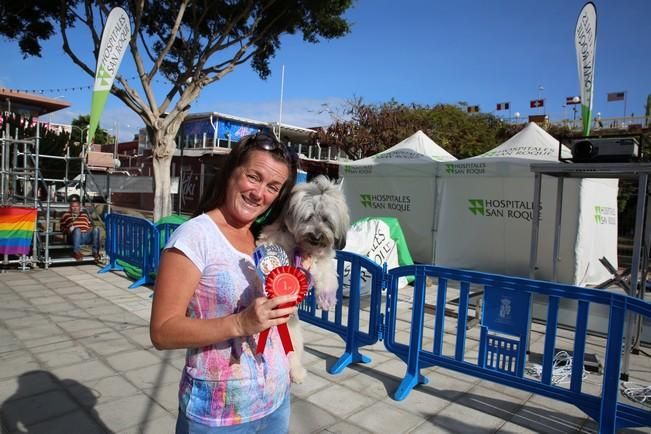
[(585, 42)]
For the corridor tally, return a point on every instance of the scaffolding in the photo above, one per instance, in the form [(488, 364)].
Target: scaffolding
[(22, 184)]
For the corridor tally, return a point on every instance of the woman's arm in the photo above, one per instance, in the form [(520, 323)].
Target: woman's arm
[(169, 328)]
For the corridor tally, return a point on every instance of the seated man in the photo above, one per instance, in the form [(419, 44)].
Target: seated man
[(78, 227)]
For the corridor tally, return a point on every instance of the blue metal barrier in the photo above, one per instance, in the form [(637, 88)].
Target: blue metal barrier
[(165, 230), (136, 242), (503, 338), (350, 329)]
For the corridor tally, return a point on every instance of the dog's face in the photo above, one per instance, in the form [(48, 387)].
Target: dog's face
[(317, 216)]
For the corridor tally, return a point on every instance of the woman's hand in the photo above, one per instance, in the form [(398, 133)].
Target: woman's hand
[(262, 314)]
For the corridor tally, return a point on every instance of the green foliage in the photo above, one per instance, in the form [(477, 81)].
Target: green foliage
[(29, 22), (80, 124), (369, 128)]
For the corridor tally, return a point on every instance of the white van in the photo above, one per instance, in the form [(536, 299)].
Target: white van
[(93, 187)]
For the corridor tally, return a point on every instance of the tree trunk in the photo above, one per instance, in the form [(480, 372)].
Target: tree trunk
[(162, 195), (163, 146)]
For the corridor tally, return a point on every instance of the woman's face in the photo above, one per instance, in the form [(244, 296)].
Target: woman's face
[(254, 186)]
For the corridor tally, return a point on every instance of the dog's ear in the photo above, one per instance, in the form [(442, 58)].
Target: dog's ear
[(340, 243)]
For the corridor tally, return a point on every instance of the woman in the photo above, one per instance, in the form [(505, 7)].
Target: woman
[(209, 299)]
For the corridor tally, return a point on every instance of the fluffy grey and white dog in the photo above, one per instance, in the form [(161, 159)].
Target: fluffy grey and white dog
[(313, 225)]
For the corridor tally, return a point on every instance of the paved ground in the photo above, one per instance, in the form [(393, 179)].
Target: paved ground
[(75, 357)]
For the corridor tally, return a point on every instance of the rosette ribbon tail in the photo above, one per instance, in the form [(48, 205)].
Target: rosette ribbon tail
[(285, 338)]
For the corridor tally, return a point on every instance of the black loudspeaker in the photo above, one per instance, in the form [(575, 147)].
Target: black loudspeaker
[(605, 150)]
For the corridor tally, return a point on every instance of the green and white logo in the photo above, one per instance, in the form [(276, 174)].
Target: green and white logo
[(365, 200), (511, 209), (604, 215), (386, 201), (359, 170), (476, 206), (465, 168)]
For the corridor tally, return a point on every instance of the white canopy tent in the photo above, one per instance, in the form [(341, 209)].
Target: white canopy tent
[(399, 182), (485, 205)]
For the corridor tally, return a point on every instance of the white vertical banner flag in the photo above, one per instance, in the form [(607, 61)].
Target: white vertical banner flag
[(585, 41), (115, 40)]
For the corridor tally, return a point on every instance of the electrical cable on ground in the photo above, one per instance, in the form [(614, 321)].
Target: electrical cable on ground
[(561, 368)]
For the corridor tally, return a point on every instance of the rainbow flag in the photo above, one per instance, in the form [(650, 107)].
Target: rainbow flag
[(16, 230)]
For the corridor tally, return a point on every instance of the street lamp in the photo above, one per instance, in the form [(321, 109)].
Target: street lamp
[(81, 132), (517, 117)]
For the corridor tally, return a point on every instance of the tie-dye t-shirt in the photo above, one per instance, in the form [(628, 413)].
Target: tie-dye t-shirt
[(226, 383)]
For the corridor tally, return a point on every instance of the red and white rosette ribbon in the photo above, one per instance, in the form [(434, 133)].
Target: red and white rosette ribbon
[(283, 280)]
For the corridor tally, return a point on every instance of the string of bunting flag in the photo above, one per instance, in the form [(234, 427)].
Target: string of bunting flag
[(69, 89)]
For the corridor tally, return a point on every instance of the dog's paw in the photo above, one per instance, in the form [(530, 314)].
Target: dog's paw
[(327, 300), (297, 374)]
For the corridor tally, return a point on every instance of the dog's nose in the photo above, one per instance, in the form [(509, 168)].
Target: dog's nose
[(314, 238)]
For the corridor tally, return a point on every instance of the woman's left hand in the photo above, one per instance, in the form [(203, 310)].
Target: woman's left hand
[(264, 313)]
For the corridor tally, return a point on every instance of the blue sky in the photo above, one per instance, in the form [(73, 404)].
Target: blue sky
[(425, 52)]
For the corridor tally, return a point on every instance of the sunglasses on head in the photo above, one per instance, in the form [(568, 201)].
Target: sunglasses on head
[(268, 142)]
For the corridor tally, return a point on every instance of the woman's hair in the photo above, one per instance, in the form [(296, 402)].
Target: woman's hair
[(239, 155)]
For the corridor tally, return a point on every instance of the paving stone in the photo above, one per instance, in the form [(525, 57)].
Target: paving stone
[(83, 333), (558, 406), (83, 294), (64, 356), (38, 331), (487, 401), (312, 384), (167, 396), (9, 312), (344, 428), (109, 310), (421, 401), (53, 299), (123, 320), (38, 342), (57, 307), (28, 320), (92, 303), (340, 400), (535, 418), (372, 383), (129, 412), (155, 375), (9, 343), (307, 417), (36, 408), (19, 305), (161, 425), (81, 324), (462, 418), (381, 417), (132, 360), (99, 391), (139, 335), (13, 364), (103, 345), (81, 372)]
